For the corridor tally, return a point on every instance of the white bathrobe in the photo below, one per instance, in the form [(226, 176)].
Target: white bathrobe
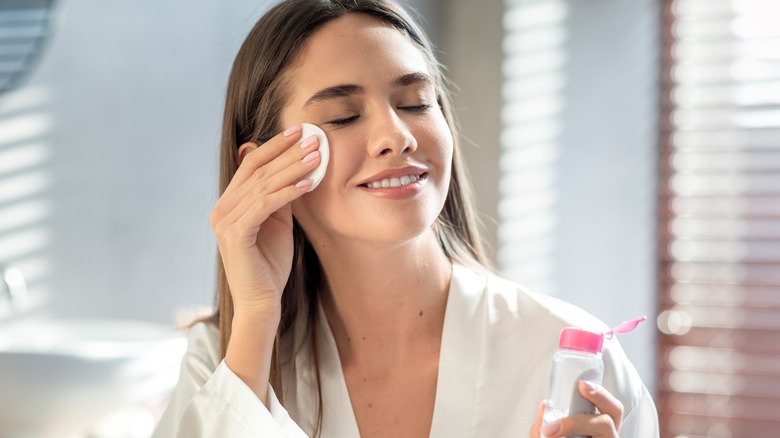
[(494, 368)]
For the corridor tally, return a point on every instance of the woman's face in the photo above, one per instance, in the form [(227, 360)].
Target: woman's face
[(370, 89)]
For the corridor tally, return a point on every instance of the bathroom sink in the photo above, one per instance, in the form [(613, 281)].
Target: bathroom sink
[(59, 377)]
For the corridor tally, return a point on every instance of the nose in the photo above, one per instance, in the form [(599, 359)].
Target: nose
[(390, 135)]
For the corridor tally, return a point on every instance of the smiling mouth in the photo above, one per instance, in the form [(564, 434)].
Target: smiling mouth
[(395, 182)]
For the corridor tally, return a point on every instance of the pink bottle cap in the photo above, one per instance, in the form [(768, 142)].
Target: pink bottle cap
[(581, 340)]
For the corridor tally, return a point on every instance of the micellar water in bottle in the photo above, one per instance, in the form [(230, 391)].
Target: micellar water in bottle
[(578, 358)]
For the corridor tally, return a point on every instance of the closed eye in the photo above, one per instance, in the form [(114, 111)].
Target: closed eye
[(413, 108), (344, 121)]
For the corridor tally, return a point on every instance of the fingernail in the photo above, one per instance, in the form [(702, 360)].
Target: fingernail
[(551, 428), (311, 156), (304, 183), (308, 142), (291, 130), (589, 386)]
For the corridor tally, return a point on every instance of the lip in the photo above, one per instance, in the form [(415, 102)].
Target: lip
[(394, 173), (398, 193)]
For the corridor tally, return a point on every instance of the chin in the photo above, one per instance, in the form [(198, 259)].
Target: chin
[(385, 231), (370, 222)]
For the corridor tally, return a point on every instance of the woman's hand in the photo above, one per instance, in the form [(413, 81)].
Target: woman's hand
[(602, 425), (253, 219), (253, 224)]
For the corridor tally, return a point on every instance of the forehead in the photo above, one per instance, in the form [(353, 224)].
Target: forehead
[(354, 49)]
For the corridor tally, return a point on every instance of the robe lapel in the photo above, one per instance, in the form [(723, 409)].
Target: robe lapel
[(338, 418), (460, 356)]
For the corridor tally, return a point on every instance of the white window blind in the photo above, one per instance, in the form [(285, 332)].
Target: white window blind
[(24, 27), (719, 371), (534, 72)]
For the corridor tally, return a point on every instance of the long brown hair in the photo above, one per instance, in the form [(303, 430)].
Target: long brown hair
[(255, 95)]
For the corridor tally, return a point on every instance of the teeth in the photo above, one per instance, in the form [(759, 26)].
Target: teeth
[(394, 182)]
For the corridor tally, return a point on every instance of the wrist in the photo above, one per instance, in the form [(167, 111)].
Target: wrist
[(250, 349), (256, 320), (258, 309)]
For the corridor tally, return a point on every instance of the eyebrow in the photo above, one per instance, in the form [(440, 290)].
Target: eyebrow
[(335, 91), (413, 78), (345, 90)]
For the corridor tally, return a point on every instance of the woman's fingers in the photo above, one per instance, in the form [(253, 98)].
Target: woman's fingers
[(272, 149), (535, 433), (260, 156), (243, 221), (257, 212), (264, 168), (596, 426), (286, 170), (603, 425), (263, 184), (605, 402), (257, 178)]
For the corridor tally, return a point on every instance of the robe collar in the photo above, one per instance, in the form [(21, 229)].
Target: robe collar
[(460, 362)]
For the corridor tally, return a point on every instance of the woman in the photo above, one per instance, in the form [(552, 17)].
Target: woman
[(362, 309)]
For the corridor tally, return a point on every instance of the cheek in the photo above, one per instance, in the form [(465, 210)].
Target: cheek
[(446, 151), (448, 148), (313, 207), (310, 211), (439, 135), (347, 156)]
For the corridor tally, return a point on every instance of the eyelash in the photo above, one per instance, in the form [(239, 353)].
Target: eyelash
[(416, 109), (344, 121)]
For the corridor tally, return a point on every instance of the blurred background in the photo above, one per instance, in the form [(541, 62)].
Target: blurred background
[(625, 156)]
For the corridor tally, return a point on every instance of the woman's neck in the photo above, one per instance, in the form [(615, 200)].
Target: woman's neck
[(383, 302)]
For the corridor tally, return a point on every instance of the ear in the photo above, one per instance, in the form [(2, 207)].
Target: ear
[(243, 150)]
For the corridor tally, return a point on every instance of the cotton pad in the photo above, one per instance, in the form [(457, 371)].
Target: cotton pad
[(318, 173)]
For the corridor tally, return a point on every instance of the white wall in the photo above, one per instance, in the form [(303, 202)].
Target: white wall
[(124, 112)]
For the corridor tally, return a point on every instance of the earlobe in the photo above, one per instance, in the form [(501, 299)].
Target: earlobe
[(243, 150)]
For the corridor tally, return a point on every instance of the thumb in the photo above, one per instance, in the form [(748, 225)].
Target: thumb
[(535, 429)]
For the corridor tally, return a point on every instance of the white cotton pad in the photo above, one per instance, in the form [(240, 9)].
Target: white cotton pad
[(317, 174)]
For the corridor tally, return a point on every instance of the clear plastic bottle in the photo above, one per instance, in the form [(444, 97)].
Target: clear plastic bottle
[(578, 358)]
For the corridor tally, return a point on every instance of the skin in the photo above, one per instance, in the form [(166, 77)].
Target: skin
[(386, 276)]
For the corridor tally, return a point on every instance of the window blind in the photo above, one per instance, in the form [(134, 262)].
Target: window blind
[(719, 210), (24, 26)]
